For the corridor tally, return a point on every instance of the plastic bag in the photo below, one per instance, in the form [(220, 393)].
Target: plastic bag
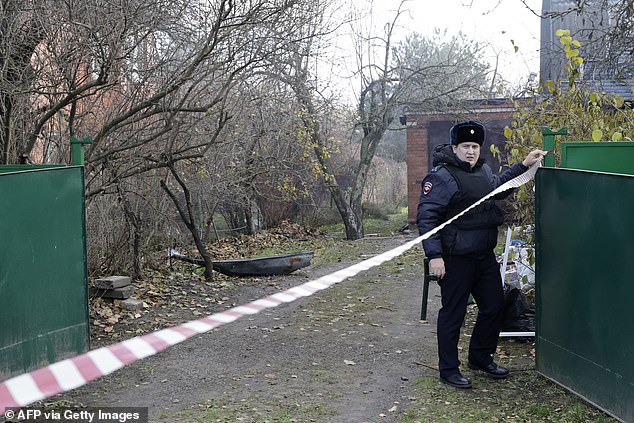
[(519, 313)]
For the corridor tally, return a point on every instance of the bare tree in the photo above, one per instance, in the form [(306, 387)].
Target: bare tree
[(150, 81), (188, 216), (130, 75), (22, 25), (390, 78)]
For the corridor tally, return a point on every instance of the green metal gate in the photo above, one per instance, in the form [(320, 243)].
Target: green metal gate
[(43, 277), (585, 285), (616, 157)]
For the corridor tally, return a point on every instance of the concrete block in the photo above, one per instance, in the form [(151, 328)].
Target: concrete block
[(132, 304), (112, 282), (117, 293)]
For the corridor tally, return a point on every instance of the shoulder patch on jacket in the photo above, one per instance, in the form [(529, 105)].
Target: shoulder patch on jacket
[(427, 186)]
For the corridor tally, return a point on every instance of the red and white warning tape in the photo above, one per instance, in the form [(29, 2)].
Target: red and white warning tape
[(74, 372)]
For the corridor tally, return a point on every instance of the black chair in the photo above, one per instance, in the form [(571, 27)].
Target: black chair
[(426, 278)]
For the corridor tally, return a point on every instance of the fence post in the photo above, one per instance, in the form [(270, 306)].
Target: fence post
[(549, 144), (77, 150)]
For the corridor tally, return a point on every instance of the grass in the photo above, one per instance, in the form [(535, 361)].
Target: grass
[(274, 411), (526, 396), (373, 226)]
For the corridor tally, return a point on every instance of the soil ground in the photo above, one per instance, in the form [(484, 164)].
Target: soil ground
[(355, 352)]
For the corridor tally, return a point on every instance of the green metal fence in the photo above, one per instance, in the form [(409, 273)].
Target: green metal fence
[(43, 277), (615, 157), (585, 285)]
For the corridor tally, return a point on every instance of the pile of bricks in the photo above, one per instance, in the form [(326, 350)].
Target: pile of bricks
[(117, 287)]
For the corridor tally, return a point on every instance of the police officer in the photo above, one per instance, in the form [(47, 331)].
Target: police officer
[(461, 255)]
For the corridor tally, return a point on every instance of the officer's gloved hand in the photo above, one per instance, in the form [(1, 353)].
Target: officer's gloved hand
[(437, 267), (533, 157)]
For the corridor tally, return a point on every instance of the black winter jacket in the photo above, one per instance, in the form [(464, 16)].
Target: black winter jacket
[(450, 187)]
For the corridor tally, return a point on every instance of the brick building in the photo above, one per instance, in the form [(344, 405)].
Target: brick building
[(427, 130)]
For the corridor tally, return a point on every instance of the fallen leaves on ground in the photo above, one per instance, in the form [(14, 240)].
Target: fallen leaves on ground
[(177, 292), (248, 246)]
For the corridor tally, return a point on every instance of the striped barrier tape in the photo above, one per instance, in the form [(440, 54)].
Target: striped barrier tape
[(72, 373)]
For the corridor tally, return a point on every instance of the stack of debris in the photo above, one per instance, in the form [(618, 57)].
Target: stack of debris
[(117, 287)]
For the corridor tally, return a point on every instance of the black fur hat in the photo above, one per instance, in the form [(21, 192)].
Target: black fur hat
[(468, 131)]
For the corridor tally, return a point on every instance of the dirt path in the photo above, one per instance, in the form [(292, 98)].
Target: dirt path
[(346, 354)]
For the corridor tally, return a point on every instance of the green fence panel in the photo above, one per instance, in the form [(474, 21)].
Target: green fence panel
[(585, 285), (615, 157), (20, 168), (43, 278)]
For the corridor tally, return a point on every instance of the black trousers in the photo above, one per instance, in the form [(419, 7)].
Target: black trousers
[(480, 277)]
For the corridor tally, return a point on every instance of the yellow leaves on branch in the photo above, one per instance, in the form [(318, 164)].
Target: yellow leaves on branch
[(562, 32), (289, 189), (587, 113), (515, 154), (597, 135), (617, 136), (571, 46), (565, 40)]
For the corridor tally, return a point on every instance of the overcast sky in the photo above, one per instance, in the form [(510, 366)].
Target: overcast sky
[(502, 23), (492, 21)]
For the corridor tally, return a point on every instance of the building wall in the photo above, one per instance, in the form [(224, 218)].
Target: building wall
[(423, 133)]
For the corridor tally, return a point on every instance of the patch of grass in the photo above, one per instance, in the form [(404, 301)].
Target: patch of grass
[(337, 251), (526, 396), (511, 400), (412, 257), (319, 373), (56, 405), (379, 211), (385, 225), (273, 411), (148, 368)]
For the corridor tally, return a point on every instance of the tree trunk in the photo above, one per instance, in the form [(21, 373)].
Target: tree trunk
[(135, 222), (353, 225), (186, 213), (366, 155), (352, 220), (250, 215), (5, 127)]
